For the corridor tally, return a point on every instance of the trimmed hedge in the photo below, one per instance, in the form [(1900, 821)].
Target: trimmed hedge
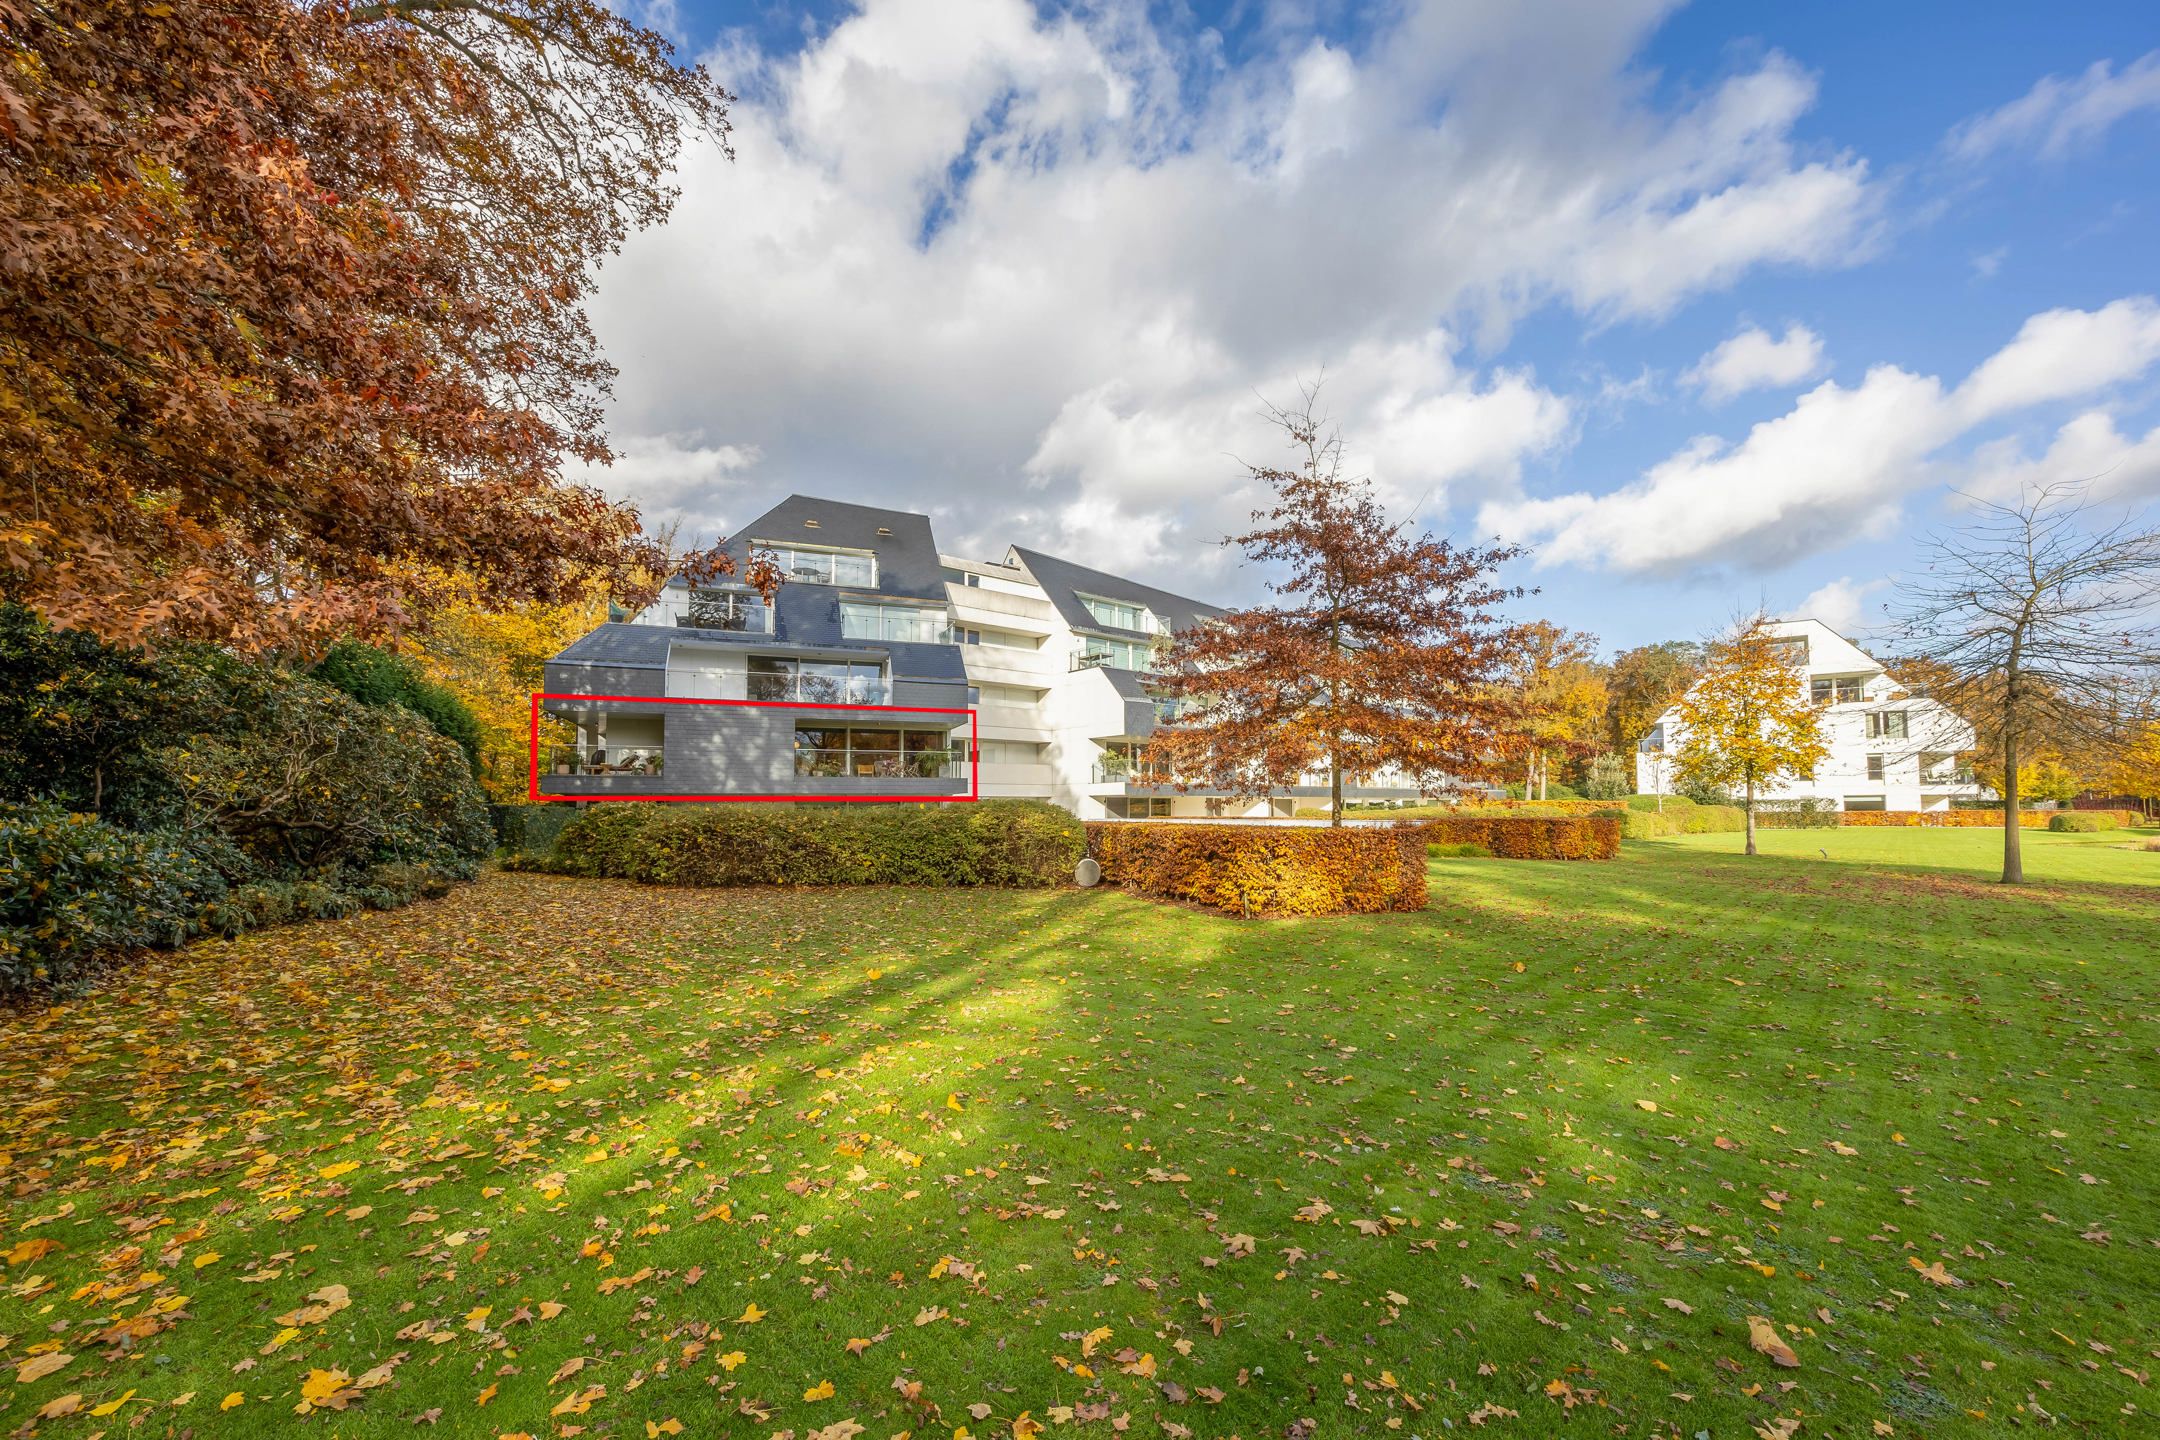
[(1684, 818), (1026, 843), (1266, 870), (1797, 815), (1975, 819), (1525, 837), (2083, 822)]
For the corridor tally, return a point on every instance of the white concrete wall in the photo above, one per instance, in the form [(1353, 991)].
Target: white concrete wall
[(1842, 777)]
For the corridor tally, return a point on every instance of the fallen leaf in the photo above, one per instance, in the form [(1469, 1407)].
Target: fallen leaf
[(1763, 1339)]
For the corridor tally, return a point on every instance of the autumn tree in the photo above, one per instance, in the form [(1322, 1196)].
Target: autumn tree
[(1747, 723), (1641, 684), (2037, 617), (494, 658), (1383, 652), (2134, 770), (291, 303), (1562, 698)]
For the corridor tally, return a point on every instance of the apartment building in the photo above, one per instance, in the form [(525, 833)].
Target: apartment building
[(868, 672), (1889, 749)]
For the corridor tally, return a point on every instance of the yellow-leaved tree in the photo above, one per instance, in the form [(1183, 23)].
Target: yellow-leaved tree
[(1747, 723), (1561, 690), (2135, 768), (493, 658)]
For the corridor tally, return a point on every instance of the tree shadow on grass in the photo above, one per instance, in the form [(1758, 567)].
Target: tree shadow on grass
[(1400, 1067)]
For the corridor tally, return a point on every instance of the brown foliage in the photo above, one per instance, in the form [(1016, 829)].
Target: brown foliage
[(1967, 819), (291, 303), (1265, 870), (1385, 651), (1525, 837)]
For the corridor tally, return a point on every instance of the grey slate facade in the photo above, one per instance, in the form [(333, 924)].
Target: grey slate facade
[(808, 677)]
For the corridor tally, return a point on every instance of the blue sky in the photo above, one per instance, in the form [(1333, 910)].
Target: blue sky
[(1709, 306)]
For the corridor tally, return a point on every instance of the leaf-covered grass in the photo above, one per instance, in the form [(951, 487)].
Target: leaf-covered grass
[(556, 1153)]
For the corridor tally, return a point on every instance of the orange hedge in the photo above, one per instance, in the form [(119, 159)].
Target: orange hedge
[(1524, 837), (1264, 870), (1971, 819)]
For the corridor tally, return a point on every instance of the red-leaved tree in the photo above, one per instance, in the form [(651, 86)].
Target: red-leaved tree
[(291, 304), (1384, 655)]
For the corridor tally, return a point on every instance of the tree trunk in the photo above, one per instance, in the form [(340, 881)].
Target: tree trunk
[(2013, 836), (1748, 804), (1334, 758)]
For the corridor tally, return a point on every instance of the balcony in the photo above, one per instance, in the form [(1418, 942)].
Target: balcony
[(596, 759), (854, 761), (739, 614), (802, 689), (1114, 770)]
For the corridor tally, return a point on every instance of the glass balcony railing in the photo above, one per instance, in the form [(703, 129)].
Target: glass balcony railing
[(949, 764), (820, 689), (1112, 772), (593, 759), (861, 688), (736, 614)]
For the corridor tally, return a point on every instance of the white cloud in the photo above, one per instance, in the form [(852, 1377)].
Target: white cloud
[(966, 247), (1842, 605), (673, 476), (1834, 468), (1751, 360), (2060, 115), (2061, 353), (2087, 450)]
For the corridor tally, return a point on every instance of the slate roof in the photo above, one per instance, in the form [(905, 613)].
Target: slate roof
[(1064, 582), (908, 562), (632, 646)]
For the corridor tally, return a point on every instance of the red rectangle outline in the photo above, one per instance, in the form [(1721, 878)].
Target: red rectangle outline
[(532, 753)]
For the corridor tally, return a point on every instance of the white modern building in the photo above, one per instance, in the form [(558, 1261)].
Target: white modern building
[(1889, 749)]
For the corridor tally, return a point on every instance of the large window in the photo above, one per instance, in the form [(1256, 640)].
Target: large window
[(1102, 651), (1886, 725), (835, 682), (878, 753), (1121, 614), (822, 567), (908, 624), (725, 610), (1791, 649), (1836, 690)]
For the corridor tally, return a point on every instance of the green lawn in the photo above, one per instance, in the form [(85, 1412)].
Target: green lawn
[(2109, 857), (554, 1155)]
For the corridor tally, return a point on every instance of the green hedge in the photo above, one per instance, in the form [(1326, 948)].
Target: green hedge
[(1026, 843), (375, 676), (2083, 822), (1682, 817), (74, 889), (530, 829), (77, 893), (1799, 815)]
